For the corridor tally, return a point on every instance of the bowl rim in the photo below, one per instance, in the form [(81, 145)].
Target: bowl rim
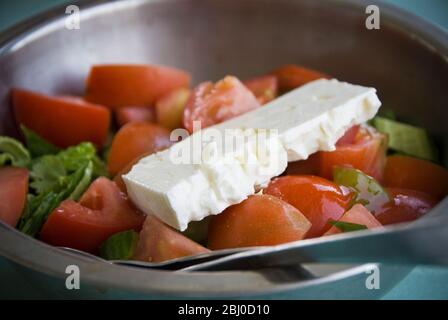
[(52, 261)]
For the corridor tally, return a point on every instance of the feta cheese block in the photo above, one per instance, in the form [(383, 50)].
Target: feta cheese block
[(202, 175)]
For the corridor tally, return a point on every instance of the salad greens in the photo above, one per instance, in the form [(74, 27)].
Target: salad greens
[(37, 146), (120, 246), (407, 139), (13, 152), (55, 175), (368, 191), (347, 226)]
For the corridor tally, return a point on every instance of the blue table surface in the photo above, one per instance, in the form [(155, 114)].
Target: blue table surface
[(421, 283)]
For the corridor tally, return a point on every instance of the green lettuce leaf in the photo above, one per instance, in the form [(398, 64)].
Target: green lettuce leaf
[(40, 207), (57, 177), (37, 145), (12, 152), (120, 246), (347, 226)]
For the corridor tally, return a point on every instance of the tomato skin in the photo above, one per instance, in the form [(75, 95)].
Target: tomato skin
[(118, 179), (170, 108), (125, 115), (13, 191), (102, 211), (158, 242), (64, 121), (406, 205), (357, 214), (260, 220), (264, 88), (119, 86), (317, 198), (367, 153), (136, 139), (349, 136), (291, 76), (214, 103), (412, 173)]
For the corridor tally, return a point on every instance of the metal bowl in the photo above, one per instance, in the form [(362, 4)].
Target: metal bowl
[(406, 60)]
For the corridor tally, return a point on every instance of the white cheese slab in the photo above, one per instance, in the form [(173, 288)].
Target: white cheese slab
[(306, 120)]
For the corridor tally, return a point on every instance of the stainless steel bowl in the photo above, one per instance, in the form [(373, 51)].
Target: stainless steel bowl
[(406, 60)]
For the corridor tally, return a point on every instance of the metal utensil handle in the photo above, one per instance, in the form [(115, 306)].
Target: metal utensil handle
[(421, 243)]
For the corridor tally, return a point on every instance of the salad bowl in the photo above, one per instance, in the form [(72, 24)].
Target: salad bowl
[(406, 60)]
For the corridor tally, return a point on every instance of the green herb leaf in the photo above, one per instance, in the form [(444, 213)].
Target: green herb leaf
[(37, 145), (407, 139), (120, 246), (73, 156), (13, 152), (41, 206), (347, 226), (368, 191), (47, 174)]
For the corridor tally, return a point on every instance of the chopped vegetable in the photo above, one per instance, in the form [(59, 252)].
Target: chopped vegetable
[(134, 140), (367, 153), (212, 103), (125, 115), (410, 140), (55, 178), (120, 246), (13, 191), (119, 86), (318, 199), (292, 76), (260, 220), (102, 211), (368, 191), (159, 242), (39, 207), (357, 218), (170, 108), (347, 226), (412, 173), (37, 145), (265, 88), (406, 205), (63, 121), (13, 152)]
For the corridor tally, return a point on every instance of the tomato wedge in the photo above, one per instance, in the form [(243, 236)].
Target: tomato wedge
[(13, 191), (260, 220), (406, 205), (291, 76), (349, 136), (412, 173), (136, 139), (118, 86), (367, 153), (102, 211), (357, 214), (265, 88), (170, 108), (125, 115), (118, 177), (64, 121), (159, 242), (214, 103), (318, 199)]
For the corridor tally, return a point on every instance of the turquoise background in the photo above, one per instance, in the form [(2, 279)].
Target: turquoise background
[(421, 283)]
